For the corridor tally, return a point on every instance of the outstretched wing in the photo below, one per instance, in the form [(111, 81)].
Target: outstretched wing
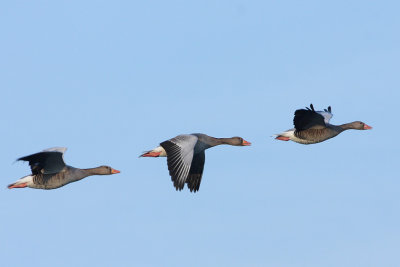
[(196, 172), (48, 161), (327, 114), (179, 157), (308, 118)]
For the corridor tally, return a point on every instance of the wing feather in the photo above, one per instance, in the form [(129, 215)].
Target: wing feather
[(308, 118), (179, 157), (49, 161), (327, 114), (196, 172)]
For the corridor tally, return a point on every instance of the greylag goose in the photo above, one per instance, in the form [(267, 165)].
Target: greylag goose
[(186, 157), (49, 170), (312, 126)]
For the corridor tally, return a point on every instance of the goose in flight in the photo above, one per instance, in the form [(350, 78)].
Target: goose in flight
[(186, 157), (49, 170), (312, 126)]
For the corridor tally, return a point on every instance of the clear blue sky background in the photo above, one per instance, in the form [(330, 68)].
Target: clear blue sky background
[(110, 79)]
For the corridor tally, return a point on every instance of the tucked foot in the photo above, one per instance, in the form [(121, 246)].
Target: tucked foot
[(151, 154), (283, 138), (11, 186)]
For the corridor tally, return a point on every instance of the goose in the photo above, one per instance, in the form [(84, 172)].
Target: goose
[(186, 157), (49, 170), (311, 127)]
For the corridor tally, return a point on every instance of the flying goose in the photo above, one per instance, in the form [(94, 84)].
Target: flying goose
[(49, 170), (312, 126), (186, 157)]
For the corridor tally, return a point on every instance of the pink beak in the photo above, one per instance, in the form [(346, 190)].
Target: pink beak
[(367, 127), (113, 171), (245, 143)]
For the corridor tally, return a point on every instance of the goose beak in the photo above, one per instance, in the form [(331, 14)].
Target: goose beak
[(113, 171), (367, 127), (245, 143)]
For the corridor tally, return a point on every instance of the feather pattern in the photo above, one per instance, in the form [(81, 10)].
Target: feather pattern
[(47, 162), (327, 114), (308, 118), (196, 172), (179, 157)]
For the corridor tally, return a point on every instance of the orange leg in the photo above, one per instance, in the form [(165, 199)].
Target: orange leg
[(17, 186), (283, 138), (151, 154)]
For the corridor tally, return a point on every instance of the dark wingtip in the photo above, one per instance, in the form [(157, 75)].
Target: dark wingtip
[(177, 185), (194, 188), (312, 107), (330, 109)]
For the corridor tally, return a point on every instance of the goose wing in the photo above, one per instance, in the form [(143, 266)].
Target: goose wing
[(308, 118), (327, 114), (180, 150), (196, 172), (48, 161)]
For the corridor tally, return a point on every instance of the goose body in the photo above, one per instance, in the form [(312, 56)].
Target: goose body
[(49, 171), (186, 157), (313, 127)]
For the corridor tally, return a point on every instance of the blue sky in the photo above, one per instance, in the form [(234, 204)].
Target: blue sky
[(110, 79)]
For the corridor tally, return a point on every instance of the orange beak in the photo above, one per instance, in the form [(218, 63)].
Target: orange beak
[(367, 127), (113, 171), (245, 143)]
